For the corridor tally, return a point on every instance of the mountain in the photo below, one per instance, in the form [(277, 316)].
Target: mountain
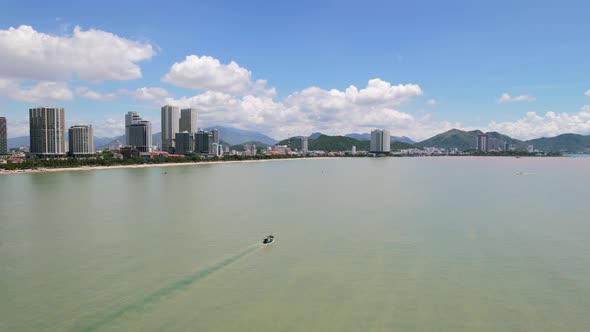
[(17, 142), (240, 147), (454, 138), (337, 143), (562, 143), (99, 142), (234, 136), (367, 137), (315, 135)]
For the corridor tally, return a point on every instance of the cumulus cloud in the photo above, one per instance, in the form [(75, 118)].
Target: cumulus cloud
[(85, 92), (315, 109), (149, 94), (535, 125), (587, 93), (39, 93), (91, 55), (506, 98), (208, 73)]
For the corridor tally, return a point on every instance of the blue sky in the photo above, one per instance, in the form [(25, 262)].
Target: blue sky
[(439, 64)]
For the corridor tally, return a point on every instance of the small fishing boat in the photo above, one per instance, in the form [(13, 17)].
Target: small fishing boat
[(268, 239)]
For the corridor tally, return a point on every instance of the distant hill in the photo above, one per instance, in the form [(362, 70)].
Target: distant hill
[(234, 136), (99, 142), (466, 140), (454, 138), (315, 135), (367, 137), (337, 143), (562, 143), (240, 147), (17, 142)]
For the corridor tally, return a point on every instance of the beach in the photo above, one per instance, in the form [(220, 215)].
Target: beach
[(98, 168)]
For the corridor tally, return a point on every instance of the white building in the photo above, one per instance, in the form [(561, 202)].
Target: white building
[(380, 141), (217, 150), (81, 141), (188, 120), (170, 122), (47, 131)]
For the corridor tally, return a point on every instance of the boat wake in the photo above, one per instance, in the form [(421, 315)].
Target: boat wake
[(161, 293)]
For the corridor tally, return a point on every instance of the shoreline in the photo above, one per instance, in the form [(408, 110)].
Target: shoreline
[(99, 168)]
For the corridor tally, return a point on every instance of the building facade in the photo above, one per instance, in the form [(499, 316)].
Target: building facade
[(203, 142), (47, 131), (140, 136), (185, 142), (130, 118), (170, 121), (482, 142), (215, 135), (3, 136), (188, 120), (380, 141), (304, 143), (81, 141)]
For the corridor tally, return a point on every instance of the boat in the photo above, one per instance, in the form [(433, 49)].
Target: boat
[(268, 239)]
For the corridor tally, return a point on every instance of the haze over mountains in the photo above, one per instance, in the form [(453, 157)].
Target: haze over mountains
[(454, 138)]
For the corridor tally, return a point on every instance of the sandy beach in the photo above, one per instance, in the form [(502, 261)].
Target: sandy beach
[(98, 168)]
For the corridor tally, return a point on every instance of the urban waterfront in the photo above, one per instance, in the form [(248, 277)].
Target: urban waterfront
[(376, 244)]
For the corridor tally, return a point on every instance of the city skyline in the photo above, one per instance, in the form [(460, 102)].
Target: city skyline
[(494, 69)]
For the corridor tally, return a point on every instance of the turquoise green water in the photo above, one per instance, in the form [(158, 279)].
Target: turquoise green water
[(387, 244)]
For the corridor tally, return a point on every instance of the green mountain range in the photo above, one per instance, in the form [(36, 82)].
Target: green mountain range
[(337, 143)]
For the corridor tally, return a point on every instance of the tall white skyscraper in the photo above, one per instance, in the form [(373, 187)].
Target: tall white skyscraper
[(47, 131), (170, 119), (188, 120), (130, 118), (380, 141), (81, 141)]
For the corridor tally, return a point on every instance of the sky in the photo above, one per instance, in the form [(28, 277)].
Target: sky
[(286, 68)]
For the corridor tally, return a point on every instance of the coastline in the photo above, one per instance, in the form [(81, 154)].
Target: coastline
[(99, 168)]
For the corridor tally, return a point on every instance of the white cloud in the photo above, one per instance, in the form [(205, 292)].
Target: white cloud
[(315, 109), (506, 98), (40, 93), (89, 94), (149, 94), (91, 55), (534, 125), (587, 93), (208, 73), (431, 102)]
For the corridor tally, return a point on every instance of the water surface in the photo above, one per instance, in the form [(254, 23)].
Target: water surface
[(386, 244)]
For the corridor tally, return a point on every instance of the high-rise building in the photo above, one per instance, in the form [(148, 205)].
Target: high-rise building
[(493, 144), (81, 141), (215, 134), (3, 136), (188, 120), (140, 136), (130, 118), (170, 119), (217, 149), (353, 150), (482, 142), (185, 142), (380, 141), (303, 143), (47, 131), (203, 142)]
